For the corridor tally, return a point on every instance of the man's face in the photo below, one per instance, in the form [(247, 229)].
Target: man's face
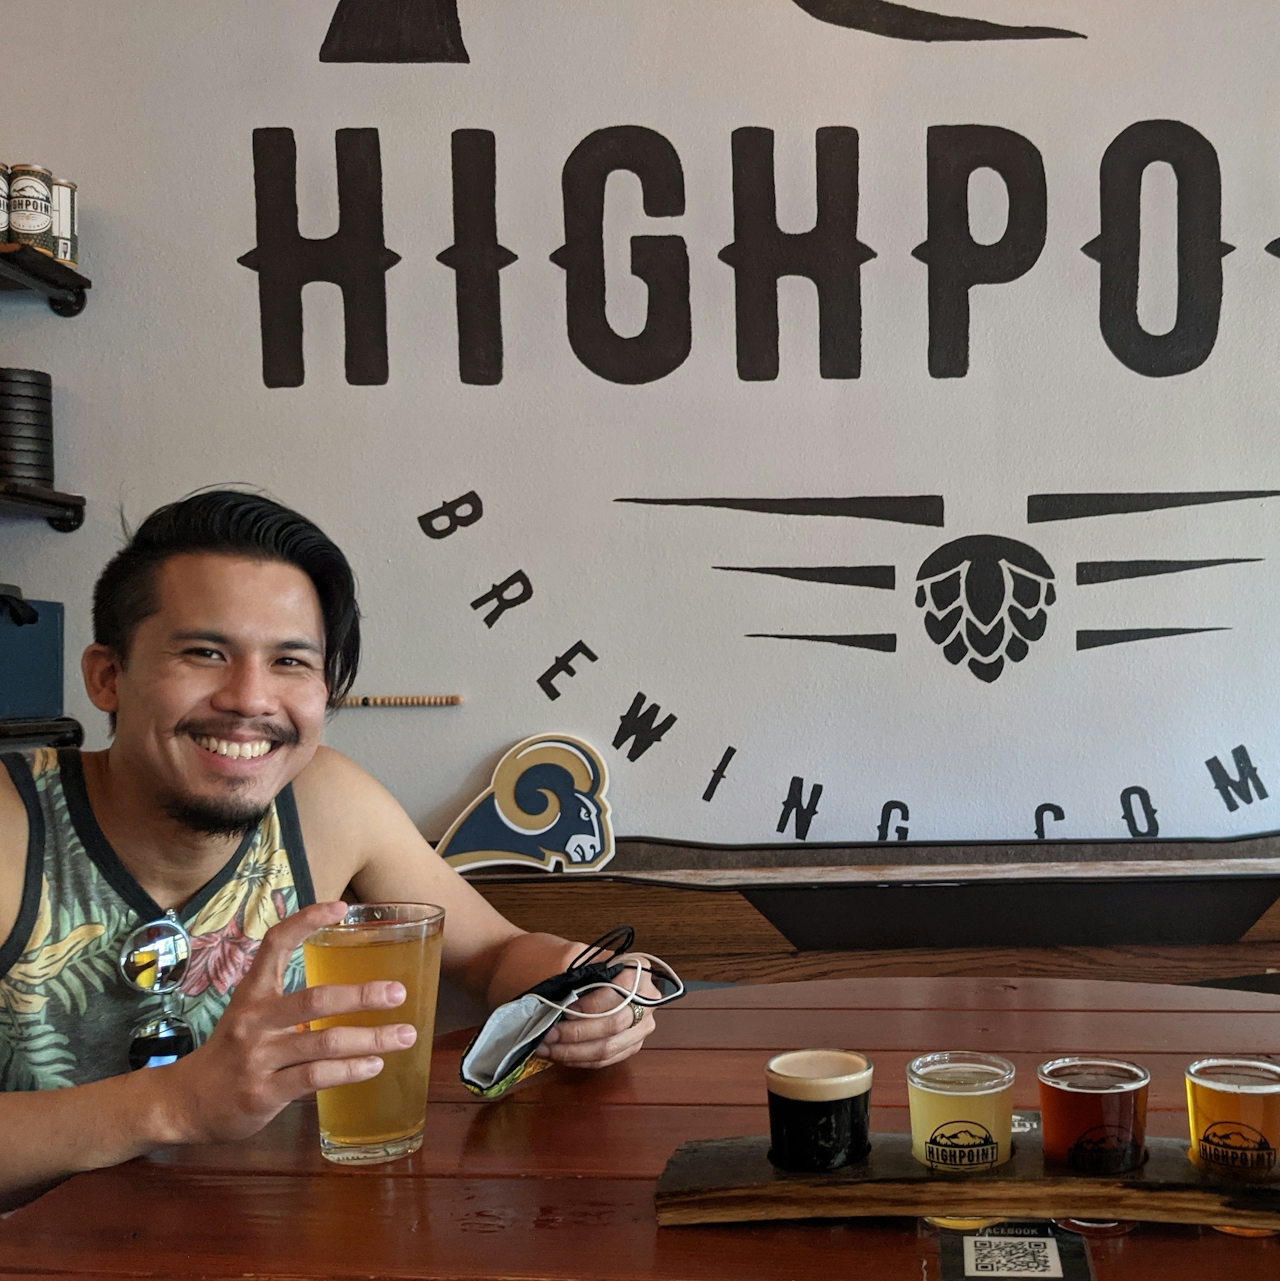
[(222, 700)]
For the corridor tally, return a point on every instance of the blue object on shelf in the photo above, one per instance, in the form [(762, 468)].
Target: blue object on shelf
[(30, 659)]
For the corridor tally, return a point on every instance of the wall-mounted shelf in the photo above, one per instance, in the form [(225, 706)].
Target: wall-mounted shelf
[(22, 267), (64, 512), (50, 731)]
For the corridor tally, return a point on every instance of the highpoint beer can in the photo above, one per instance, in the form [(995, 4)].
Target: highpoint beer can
[(4, 204), (31, 207), (66, 222)]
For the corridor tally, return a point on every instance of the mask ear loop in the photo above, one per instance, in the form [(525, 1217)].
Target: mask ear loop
[(631, 995), (656, 966), (617, 941)]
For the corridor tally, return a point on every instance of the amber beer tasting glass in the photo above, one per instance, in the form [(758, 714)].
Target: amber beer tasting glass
[(1093, 1114), (1093, 1120), (1233, 1105), (382, 1118)]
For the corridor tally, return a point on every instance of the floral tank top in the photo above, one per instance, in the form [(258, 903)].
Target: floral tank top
[(66, 1013)]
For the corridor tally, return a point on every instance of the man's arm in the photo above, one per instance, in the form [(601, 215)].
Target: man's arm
[(255, 1062), (355, 829), (46, 1135)]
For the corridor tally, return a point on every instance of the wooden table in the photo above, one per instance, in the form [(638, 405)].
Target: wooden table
[(557, 1180)]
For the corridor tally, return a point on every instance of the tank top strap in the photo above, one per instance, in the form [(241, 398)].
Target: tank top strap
[(291, 832), (19, 770)]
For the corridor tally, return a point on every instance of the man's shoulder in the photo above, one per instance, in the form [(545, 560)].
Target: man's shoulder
[(13, 818), (13, 852), (335, 796), (349, 821), (327, 770)]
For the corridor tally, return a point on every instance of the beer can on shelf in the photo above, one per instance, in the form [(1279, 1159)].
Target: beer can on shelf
[(4, 204), (31, 207), (66, 222)]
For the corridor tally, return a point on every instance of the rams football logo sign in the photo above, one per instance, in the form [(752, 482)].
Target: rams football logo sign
[(545, 808)]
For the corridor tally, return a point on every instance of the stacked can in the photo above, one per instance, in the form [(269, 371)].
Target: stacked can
[(31, 207), (26, 427), (66, 223), (39, 210)]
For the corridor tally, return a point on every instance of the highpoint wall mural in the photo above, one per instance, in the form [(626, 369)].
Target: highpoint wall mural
[(986, 598), (860, 421)]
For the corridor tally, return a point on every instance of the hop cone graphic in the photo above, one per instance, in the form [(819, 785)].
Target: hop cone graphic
[(986, 599)]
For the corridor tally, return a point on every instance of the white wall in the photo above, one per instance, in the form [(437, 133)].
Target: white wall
[(150, 107)]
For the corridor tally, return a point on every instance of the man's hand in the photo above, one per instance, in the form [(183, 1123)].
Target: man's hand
[(262, 1055), (597, 1043)]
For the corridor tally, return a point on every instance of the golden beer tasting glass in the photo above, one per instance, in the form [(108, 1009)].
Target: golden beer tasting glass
[(382, 1118), (1233, 1107)]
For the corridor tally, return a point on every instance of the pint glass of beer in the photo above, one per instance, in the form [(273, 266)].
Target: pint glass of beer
[(1093, 1114), (382, 1118)]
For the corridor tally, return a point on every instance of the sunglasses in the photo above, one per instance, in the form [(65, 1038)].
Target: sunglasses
[(153, 960)]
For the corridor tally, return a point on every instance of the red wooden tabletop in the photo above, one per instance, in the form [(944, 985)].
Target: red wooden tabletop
[(557, 1180)]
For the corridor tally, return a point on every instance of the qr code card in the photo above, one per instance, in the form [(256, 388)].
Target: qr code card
[(1033, 1248), (1012, 1257)]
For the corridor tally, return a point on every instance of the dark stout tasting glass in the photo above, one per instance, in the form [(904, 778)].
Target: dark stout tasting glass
[(1093, 1120), (819, 1109)]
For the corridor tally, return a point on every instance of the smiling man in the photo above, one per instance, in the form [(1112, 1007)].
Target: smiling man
[(223, 633)]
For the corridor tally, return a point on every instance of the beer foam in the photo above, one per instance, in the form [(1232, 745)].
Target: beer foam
[(818, 1076), (1236, 1076)]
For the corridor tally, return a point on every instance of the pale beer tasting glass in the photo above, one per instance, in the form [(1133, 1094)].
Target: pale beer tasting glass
[(961, 1117), (1233, 1107), (819, 1109), (1093, 1120), (383, 1118)]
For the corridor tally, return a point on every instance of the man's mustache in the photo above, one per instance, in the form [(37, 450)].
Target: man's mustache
[(283, 735)]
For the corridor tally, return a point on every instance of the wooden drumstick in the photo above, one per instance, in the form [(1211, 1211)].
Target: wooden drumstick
[(402, 700)]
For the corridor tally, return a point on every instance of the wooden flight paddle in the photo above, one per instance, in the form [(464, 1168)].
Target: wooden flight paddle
[(731, 1181)]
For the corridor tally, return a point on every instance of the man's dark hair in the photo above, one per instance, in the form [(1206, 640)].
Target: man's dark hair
[(230, 522)]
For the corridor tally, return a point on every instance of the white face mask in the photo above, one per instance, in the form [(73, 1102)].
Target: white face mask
[(501, 1054)]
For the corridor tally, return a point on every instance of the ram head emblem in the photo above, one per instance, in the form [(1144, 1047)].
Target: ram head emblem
[(545, 808)]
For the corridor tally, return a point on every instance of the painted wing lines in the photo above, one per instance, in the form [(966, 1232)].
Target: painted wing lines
[(902, 22)]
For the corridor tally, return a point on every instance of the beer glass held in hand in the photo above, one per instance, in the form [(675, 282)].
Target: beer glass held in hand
[(382, 1118)]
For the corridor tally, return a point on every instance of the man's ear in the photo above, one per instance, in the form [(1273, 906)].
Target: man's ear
[(100, 668)]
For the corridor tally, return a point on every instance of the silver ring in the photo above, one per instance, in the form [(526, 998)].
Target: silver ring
[(637, 1014)]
